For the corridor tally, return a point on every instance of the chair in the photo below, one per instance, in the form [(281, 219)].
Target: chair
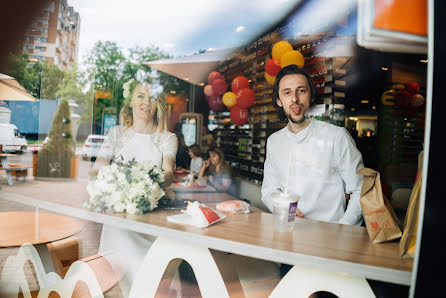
[(13, 278), (302, 282), (64, 253)]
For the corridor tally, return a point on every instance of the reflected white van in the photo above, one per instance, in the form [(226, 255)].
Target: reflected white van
[(10, 137)]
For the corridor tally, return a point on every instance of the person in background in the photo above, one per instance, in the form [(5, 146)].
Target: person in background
[(182, 158), (217, 170), (196, 160), (317, 159)]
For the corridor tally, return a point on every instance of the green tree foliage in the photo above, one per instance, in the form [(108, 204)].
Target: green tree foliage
[(55, 157), (15, 66), (69, 87), (52, 78), (28, 77), (32, 80)]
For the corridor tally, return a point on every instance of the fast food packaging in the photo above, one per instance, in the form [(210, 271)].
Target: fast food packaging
[(233, 207), (198, 215), (380, 219), (407, 242)]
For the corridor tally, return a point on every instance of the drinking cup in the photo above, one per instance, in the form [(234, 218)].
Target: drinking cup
[(284, 209)]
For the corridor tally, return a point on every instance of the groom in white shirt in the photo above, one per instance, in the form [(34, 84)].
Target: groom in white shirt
[(318, 160)]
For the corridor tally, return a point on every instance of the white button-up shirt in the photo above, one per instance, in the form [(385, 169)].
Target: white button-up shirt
[(321, 163)]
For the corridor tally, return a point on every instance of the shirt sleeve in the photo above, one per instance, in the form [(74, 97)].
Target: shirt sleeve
[(198, 164), (170, 146), (270, 177), (108, 147), (349, 162)]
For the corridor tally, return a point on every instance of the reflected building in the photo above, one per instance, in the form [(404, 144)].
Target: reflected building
[(53, 35)]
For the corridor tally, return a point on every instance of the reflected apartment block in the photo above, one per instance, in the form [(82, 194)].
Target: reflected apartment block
[(53, 35)]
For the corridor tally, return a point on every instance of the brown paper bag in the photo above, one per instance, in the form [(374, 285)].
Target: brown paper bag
[(407, 242), (380, 219)]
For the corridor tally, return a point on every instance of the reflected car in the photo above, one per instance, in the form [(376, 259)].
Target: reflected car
[(92, 145)]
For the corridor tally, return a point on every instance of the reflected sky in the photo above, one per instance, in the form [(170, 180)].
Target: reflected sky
[(178, 27)]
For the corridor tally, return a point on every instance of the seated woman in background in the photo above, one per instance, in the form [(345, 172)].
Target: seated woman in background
[(217, 171), (196, 160)]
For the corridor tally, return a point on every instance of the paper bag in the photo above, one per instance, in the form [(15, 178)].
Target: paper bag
[(380, 219), (407, 242)]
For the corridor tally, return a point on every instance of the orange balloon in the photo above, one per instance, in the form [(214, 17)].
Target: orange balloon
[(280, 48), (292, 57), (229, 99), (269, 79)]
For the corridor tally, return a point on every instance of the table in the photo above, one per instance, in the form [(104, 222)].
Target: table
[(324, 246), (177, 188), (5, 166), (17, 228)]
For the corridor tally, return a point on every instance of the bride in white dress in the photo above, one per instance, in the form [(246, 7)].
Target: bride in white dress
[(142, 135)]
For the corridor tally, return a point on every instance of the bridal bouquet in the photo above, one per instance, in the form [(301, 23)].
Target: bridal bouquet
[(126, 186)]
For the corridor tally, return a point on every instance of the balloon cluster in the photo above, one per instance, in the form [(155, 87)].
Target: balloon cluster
[(404, 96), (238, 100), (282, 55), (214, 90)]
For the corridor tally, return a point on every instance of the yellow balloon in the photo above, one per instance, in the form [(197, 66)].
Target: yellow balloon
[(280, 48), (229, 99), (270, 79), (292, 57)]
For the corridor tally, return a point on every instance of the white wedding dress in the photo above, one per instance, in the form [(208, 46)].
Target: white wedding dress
[(126, 249)]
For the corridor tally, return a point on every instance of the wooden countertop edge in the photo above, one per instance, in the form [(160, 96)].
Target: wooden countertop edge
[(367, 271)]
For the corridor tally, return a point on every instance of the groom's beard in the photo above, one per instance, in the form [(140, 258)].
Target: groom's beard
[(295, 121), (301, 120)]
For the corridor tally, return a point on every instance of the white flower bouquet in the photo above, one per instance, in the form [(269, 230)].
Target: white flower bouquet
[(126, 186)]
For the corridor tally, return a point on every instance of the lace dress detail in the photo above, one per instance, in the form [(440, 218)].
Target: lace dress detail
[(124, 142)]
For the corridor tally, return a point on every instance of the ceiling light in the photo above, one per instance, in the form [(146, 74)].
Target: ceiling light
[(384, 68), (364, 101), (374, 108)]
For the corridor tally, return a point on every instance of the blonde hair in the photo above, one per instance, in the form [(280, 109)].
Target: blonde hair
[(159, 118)]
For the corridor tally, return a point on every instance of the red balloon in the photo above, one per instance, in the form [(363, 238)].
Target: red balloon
[(215, 103), (403, 99), (272, 67), (246, 98), (239, 115), (219, 86), (239, 83), (412, 88), (208, 91), (213, 75)]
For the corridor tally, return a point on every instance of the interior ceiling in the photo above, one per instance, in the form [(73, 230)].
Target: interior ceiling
[(193, 69)]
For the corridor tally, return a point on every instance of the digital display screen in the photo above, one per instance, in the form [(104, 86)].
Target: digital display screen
[(189, 131)]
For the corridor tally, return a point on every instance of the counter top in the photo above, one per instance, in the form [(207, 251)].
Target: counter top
[(327, 246)]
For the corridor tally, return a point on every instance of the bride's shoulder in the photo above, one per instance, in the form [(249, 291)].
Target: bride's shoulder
[(167, 135)]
